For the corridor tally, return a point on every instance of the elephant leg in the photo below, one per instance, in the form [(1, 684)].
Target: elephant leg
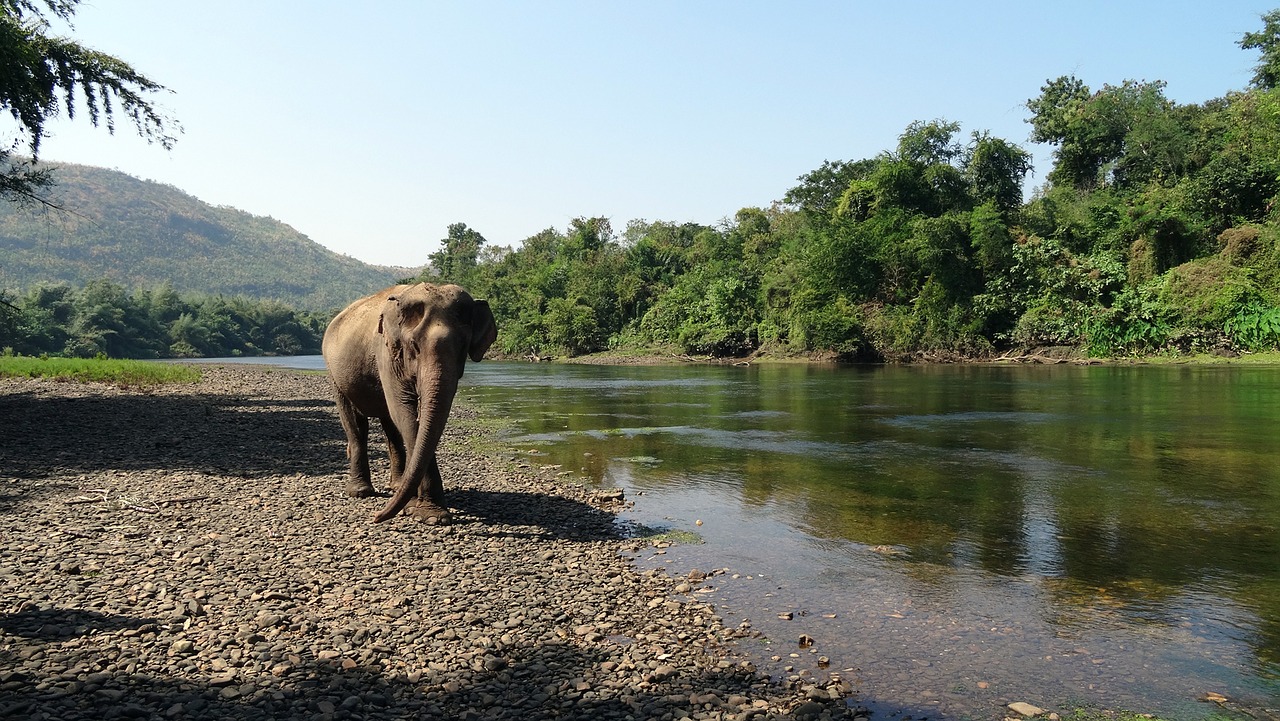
[(356, 426), (396, 451), (429, 505)]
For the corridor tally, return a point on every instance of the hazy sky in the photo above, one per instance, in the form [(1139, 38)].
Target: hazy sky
[(371, 126)]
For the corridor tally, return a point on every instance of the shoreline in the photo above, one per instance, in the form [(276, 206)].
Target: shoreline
[(1030, 357), (187, 552)]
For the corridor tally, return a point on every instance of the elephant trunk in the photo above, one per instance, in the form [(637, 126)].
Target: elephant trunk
[(435, 398)]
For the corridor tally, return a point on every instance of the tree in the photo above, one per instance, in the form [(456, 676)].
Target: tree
[(43, 76), (1122, 134), (819, 190), (995, 169), (458, 256), (1266, 75)]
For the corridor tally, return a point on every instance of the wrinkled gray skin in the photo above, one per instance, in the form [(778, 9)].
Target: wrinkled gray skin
[(397, 356)]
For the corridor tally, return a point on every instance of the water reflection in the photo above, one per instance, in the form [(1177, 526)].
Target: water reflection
[(985, 518)]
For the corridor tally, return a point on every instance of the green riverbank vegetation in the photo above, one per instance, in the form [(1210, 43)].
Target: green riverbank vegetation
[(104, 318), (130, 373), (1155, 234)]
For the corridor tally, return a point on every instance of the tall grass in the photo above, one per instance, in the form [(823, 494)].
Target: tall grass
[(99, 370)]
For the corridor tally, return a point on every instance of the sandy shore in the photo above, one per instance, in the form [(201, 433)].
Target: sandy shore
[(188, 553)]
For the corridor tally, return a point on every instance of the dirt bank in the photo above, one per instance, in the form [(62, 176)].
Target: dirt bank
[(187, 553)]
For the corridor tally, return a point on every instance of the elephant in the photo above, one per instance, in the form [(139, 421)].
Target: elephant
[(397, 356)]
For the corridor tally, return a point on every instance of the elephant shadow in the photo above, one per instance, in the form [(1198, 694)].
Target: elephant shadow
[(47, 441), (538, 682), (534, 515), (60, 624)]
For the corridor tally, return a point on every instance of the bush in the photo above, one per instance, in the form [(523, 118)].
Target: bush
[(1050, 321), (1205, 293), (1255, 326), (892, 330), (1135, 323), (835, 326)]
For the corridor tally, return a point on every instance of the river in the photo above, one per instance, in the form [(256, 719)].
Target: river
[(951, 538)]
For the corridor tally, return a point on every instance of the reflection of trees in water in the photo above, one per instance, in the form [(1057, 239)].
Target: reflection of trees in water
[(1120, 488)]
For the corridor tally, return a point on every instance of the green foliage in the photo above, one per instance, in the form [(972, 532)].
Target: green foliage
[(1207, 292), (995, 170), (1049, 290), (1255, 326), (1134, 324), (41, 74), (104, 319), (820, 190), (97, 370), (1158, 231), (458, 256), (1266, 75), (836, 326)]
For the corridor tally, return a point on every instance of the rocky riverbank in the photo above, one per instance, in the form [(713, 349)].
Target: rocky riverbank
[(188, 553)]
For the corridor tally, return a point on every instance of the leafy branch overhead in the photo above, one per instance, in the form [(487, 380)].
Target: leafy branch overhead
[(43, 75)]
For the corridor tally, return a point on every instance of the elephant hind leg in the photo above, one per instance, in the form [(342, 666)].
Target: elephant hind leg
[(356, 425)]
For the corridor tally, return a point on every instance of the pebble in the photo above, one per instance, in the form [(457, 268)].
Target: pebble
[(215, 569)]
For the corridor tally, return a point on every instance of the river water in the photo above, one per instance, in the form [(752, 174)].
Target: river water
[(952, 538)]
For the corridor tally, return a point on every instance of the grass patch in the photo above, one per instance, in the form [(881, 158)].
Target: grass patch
[(1261, 358), (651, 535), (98, 370)]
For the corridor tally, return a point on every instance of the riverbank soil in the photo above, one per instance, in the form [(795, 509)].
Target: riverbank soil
[(187, 552)]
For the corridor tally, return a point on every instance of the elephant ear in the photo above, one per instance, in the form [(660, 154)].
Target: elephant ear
[(397, 319), (484, 331)]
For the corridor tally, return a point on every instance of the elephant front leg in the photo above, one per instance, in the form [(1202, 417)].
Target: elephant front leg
[(396, 453), (429, 505)]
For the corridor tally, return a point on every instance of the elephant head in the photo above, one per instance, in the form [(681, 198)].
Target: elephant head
[(428, 332)]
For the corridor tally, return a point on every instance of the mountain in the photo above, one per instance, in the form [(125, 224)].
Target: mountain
[(140, 233)]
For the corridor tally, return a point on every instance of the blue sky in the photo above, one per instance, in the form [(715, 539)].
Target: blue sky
[(371, 126)]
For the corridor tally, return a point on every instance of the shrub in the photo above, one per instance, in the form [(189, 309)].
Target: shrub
[(1205, 293), (1255, 326), (1135, 323), (834, 326)]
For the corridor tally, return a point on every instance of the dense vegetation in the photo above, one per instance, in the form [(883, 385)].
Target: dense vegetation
[(141, 233), (104, 319), (1157, 231)]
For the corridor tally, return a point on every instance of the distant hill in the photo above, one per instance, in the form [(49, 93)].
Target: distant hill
[(140, 233)]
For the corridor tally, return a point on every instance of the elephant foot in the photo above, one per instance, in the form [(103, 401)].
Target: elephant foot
[(360, 489), (429, 513)]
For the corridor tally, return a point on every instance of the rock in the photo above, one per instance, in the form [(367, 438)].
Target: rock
[(808, 710), (378, 622), (664, 672), (181, 648), (494, 664), (1025, 709)]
